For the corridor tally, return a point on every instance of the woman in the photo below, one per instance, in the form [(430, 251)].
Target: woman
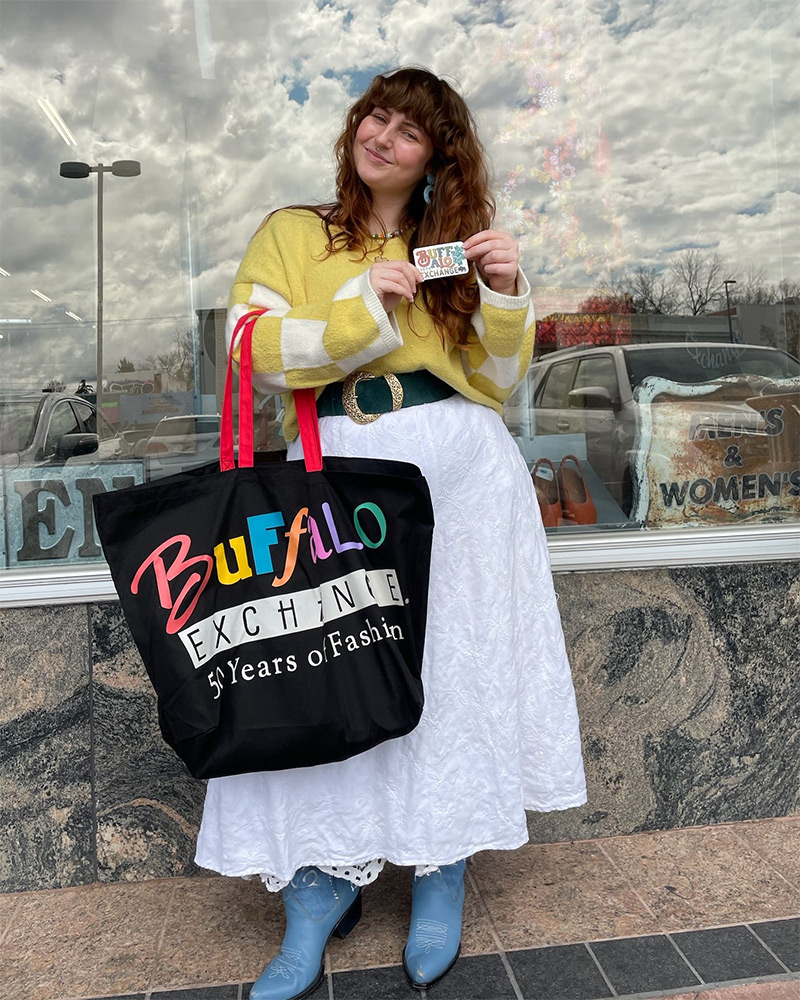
[(499, 732)]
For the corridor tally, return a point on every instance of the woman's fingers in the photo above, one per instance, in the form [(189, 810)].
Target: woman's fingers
[(393, 280), (496, 255), (491, 246), (390, 285)]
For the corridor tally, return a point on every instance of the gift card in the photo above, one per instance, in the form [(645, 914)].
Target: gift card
[(441, 261)]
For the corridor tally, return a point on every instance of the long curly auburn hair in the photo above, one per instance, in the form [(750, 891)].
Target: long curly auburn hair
[(461, 204)]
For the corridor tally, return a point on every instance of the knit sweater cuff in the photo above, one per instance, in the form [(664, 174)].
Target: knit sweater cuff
[(519, 301)]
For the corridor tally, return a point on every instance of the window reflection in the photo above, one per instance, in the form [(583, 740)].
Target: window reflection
[(646, 420), (651, 209)]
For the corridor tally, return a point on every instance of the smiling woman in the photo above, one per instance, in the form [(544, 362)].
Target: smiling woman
[(333, 295)]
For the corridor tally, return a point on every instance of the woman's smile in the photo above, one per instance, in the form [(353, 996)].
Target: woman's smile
[(376, 156)]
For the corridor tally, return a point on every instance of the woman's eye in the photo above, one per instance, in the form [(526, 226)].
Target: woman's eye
[(379, 117), (410, 135)]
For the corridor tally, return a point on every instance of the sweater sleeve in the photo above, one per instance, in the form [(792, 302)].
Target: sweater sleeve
[(303, 341), (504, 327)]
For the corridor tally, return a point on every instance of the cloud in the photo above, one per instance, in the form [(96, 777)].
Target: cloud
[(617, 130)]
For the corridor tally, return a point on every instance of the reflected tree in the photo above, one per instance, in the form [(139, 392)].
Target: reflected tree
[(652, 291), (786, 290), (697, 277), (54, 385), (177, 362), (693, 283)]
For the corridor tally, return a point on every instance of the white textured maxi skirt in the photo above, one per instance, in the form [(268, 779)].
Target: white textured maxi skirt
[(499, 732)]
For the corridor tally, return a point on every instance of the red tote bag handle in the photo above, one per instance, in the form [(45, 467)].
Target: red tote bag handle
[(305, 402)]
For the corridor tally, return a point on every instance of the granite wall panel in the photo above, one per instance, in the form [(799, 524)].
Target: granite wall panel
[(689, 697), (46, 814), (687, 686), (148, 805)]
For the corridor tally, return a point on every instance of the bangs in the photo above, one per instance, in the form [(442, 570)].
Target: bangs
[(418, 95)]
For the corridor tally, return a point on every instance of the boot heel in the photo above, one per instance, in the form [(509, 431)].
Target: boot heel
[(350, 919)]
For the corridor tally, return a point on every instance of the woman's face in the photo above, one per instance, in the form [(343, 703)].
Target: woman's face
[(391, 152)]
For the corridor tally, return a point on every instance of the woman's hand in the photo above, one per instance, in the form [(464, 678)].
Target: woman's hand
[(496, 255), (393, 280)]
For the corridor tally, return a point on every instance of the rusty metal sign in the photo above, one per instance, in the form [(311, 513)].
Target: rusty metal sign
[(722, 452)]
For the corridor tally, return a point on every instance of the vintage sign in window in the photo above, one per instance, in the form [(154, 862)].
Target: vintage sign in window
[(719, 452)]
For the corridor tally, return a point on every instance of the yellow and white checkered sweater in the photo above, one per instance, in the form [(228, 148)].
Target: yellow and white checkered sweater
[(325, 321)]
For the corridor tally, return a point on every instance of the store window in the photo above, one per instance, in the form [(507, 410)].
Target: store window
[(655, 212)]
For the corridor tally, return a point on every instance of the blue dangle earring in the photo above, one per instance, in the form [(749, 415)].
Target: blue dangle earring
[(427, 194)]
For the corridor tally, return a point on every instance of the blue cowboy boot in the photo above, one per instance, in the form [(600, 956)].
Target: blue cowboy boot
[(434, 938), (317, 906)]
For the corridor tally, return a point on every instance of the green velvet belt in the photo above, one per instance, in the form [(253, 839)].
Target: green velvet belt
[(374, 395)]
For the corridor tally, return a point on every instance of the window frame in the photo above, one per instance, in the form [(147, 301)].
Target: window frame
[(599, 551)]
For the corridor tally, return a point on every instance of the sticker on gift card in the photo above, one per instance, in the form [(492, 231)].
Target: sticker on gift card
[(444, 260)]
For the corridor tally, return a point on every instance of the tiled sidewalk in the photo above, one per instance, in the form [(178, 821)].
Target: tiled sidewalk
[(700, 913)]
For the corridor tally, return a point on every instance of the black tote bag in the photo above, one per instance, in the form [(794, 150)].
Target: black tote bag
[(279, 609)]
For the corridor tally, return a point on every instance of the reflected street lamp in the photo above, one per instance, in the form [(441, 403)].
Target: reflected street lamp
[(120, 168), (729, 281)]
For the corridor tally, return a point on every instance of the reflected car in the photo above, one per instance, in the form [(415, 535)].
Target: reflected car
[(181, 442), (54, 428), (589, 391)]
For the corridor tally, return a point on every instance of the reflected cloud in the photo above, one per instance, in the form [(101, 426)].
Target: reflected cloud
[(620, 131)]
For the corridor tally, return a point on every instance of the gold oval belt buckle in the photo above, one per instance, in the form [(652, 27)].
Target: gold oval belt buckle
[(350, 400)]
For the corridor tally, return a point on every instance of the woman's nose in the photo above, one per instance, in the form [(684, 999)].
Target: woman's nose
[(384, 137)]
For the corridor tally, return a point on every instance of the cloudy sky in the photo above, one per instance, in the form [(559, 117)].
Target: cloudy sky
[(620, 131)]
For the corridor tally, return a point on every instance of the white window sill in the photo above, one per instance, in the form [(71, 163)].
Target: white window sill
[(674, 547), (611, 550)]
